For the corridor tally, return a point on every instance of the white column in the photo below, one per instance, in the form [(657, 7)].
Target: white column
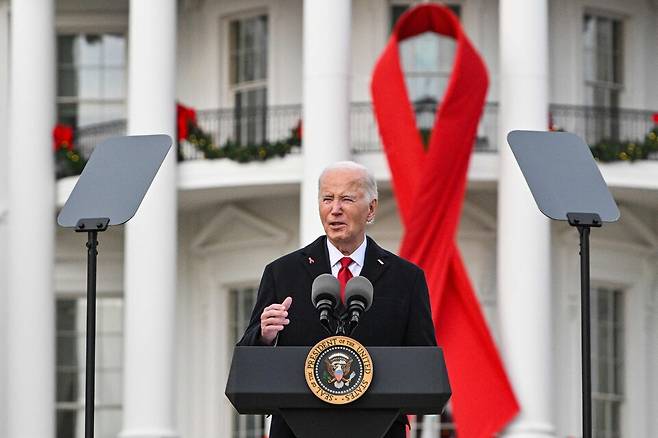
[(524, 282), (4, 183), (151, 241), (31, 222), (326, 136)]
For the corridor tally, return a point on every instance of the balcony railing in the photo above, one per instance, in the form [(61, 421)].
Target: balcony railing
[(276, 123), (365, 137), (87, 137), (250, 126), (594, 124)]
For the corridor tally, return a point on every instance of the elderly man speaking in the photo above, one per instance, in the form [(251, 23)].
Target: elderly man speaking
[(400, 313)]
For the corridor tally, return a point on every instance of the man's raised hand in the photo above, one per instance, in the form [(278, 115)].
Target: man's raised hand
[(273, 319)]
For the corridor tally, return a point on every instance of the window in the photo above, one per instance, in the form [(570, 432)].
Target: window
[(603, 57), (603, 60), (248, 77), (607, 362), (426, 60), (432, 426), (91, 74), (241, 303), (70, 369)]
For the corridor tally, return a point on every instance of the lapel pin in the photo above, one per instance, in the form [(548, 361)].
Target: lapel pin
[(311, 261), (380, 261)]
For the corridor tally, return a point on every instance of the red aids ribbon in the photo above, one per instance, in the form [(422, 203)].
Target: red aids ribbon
[(429, 186)]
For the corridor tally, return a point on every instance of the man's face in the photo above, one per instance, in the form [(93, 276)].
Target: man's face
[(344, 208)]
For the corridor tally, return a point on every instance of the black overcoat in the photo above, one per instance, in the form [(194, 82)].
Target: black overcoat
[(400, 313)]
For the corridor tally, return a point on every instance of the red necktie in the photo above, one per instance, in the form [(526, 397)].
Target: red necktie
[(344, 275)]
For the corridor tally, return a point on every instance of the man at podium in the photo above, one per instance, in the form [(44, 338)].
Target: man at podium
[(284, 314)]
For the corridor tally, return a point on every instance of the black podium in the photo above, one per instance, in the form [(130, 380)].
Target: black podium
[(406, 380)]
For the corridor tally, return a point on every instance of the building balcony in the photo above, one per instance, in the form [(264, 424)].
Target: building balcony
[(256, 135)]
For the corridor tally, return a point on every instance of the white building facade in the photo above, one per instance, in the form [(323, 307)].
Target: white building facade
[(176, 286)]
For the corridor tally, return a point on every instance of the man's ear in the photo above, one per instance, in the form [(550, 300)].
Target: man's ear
[(372, 209)]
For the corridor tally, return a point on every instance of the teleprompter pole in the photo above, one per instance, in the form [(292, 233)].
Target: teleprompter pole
[(585, 331), (583, 222), (92, 227), (110, 189), (92, 253)]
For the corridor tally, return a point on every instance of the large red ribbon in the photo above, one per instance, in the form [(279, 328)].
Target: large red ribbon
[(429, 186)]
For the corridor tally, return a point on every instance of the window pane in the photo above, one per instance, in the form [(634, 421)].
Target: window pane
[(67, 345), (66, 315), (598, 415), (113, 84), (617, 49), (603, 58), (110, 319), (607, 360), (107, 423), (602, 49), (89, 50), (65, 49), (67, 113), (89, 83), (615, 421), (427, 61), (241, 303), (67, 422), (251, 116), (108, 387), (114, 111), (248, 49), (67, 81), (67, 386), (70, 376), (90, 113), (91, 71), (114, 50), (108, 351)]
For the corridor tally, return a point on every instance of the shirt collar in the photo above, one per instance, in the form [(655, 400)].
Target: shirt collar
[(358, 256)]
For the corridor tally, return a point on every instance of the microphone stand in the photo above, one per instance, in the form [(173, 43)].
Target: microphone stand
[(340, 328)]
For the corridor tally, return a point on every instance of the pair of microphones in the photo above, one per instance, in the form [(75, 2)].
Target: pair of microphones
[(325, 296)]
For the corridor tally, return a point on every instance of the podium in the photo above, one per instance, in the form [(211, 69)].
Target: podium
[(406, 380)]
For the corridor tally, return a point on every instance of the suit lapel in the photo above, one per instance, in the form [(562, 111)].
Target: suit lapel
[(315, 259), (376, 261)]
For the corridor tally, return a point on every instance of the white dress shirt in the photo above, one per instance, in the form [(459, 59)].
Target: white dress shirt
[(358, 258)]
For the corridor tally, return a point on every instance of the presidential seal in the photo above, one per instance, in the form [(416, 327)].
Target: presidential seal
[(338, 370)]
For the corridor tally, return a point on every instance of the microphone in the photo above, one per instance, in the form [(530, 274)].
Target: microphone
[(325, 296), (358, 298)]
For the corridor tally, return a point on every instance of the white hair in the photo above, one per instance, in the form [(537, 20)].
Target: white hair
[(367, 181)]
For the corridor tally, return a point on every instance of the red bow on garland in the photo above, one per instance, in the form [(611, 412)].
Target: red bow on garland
[(184, 117), (62, 137), (429, 186)]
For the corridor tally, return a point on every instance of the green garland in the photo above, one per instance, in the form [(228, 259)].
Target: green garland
[(68, 162), (614, 150), (236, 152)]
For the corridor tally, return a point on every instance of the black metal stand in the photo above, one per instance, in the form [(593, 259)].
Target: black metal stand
[(342, 327), (584, 221), (92, 227)]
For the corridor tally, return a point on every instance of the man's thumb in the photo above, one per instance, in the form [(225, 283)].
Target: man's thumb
[(287, 302)]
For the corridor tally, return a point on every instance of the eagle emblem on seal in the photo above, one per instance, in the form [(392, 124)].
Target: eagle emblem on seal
[(338, 367)]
